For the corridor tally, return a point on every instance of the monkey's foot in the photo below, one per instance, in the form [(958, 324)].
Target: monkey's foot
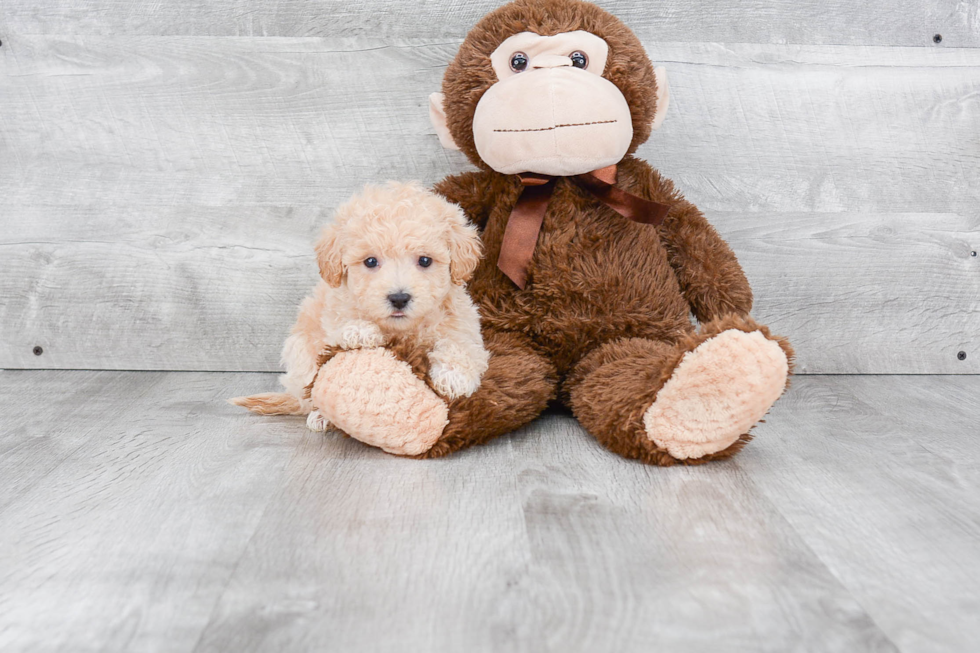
[(377, 399), (716, 393)]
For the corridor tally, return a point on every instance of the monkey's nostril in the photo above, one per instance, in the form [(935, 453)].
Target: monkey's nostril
[(399, 299)]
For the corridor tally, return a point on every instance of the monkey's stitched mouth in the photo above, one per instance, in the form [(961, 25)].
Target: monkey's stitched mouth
[(548, 129)]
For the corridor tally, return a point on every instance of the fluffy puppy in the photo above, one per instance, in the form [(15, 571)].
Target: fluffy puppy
[(394, 264)]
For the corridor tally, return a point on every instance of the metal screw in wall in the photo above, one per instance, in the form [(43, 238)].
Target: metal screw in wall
[(961, 355), (938, 38), (38, 350)]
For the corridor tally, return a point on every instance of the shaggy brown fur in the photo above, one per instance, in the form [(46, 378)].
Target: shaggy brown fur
[(604, 318), (515, 389), (596, 276), (612, 387), (504, 402), (603, 322)]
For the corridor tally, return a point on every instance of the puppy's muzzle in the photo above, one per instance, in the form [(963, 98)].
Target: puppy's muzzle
[(399, 299)]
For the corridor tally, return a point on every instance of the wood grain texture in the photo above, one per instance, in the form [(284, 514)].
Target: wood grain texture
[(171, 521), (35, 440), (391, 555), (161, 193), (127, 500), (635, 558), (154, 287), (865, 293), (880, 476), (904, 22), (294, 122), (217, 288), (549, 544)]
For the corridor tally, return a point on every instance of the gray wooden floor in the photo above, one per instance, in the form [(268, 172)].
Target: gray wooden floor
[(140, 512), (166, 166)]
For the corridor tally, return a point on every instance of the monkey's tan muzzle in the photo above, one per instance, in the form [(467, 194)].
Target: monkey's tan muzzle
[(558, 121)]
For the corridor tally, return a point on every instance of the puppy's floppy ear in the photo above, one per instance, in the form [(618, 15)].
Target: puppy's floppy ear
[(328, 256), (465, 249)]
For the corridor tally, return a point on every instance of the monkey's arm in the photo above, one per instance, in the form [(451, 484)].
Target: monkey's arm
[(472, 191), (710, 276)]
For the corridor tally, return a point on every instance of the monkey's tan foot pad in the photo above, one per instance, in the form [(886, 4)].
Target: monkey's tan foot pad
[(377, 399), (717, 392)]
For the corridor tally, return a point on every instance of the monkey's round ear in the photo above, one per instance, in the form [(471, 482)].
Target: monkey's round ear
[(328, 256), (437, 114), (663, 96)]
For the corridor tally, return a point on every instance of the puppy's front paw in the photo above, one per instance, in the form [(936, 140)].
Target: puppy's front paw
[(317, 422), (452, 383), (361, 334)]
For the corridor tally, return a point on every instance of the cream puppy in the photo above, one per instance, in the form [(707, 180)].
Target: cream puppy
[(394, 264)]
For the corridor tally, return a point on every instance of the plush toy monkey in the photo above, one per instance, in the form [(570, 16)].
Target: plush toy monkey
[(594, 262)]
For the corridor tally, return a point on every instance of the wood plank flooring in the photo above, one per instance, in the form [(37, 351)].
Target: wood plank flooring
[(139, 512)]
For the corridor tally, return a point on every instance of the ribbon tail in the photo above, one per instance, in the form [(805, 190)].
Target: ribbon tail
[(521, 232), (601, 184), (635, 208), (527, 216)]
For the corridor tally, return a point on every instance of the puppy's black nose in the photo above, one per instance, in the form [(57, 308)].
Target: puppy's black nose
[(399, 299)]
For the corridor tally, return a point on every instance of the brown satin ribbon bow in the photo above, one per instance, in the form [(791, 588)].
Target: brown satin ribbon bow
[(524, 223)]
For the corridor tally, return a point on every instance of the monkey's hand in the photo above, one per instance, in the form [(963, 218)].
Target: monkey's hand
[(376, 398)]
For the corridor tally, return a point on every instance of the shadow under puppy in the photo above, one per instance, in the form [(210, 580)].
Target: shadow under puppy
[(394, 264)]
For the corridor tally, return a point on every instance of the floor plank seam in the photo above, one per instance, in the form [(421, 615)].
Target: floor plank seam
[(245, 550), (92, 433), (747, 478)]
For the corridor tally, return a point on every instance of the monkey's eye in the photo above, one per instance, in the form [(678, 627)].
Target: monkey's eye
[(518, 62), (579, 60), (370, 262), (425, 261)]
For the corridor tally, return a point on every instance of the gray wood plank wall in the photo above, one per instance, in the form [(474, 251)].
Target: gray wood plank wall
[(165, 166), (824, 22)]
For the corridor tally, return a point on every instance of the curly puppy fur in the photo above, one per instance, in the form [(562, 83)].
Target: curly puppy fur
[(395, 225)]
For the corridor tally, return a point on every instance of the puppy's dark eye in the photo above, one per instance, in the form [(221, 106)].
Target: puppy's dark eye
[(518, 62), (579, 60), (425, 261), (371, 262)]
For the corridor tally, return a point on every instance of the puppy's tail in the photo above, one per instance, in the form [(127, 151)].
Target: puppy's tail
[(270, 403)]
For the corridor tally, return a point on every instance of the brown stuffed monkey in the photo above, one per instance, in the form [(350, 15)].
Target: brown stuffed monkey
[(594, 262)]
